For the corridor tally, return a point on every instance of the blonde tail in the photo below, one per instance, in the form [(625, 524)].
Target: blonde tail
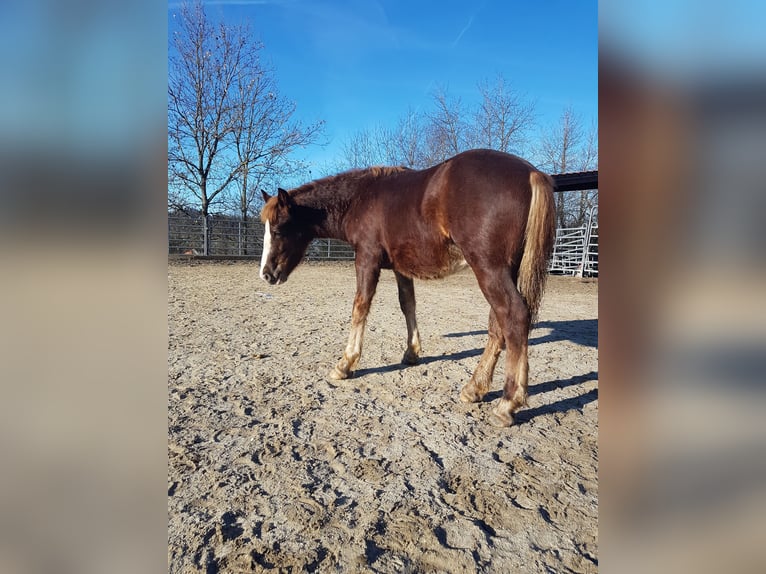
[(538, 242)]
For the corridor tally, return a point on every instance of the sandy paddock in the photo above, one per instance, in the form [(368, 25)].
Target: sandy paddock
[(272, 465)]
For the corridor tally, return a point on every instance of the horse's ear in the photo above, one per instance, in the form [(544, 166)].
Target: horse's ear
[(284, 199), (266, 196)]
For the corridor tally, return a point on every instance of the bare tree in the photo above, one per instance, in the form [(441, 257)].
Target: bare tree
[(227, 123), (263, 133), (560, 151), (584, 201), (560, 144), (364, 148), (503, 118), (201, 74), (404, 142), (447, 131), (589, 155)]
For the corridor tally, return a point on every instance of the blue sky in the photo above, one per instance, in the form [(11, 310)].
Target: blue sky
[(360, 63)]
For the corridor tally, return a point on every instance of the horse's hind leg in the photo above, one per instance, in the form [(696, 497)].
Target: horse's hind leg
[(481, 380), (367, 275), (406, 289), (513, 319), (515, 390)]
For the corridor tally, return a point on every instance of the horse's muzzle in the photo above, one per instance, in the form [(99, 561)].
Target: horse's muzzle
[(266, 276), (273, 277)]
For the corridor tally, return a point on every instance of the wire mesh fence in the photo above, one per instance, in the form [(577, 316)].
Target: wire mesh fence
[(575, 251), (231, 237)]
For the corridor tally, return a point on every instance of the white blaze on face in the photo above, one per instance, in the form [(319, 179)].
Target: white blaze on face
[(266, 248)]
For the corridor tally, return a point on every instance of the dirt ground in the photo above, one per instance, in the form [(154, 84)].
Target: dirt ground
[(272, 465)]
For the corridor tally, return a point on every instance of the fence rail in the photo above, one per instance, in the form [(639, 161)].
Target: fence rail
[(575, 251)]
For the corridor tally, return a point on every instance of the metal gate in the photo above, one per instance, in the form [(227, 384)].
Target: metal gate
[(576, 249)]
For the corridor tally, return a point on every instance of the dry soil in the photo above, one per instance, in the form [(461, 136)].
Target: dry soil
[(274, 466)]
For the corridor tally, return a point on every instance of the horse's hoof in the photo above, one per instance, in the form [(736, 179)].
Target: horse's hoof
[(502, 414), (337, 375), (410, 358), (468, 394), (501, 420)]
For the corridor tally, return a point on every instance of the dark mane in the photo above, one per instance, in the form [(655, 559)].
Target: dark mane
[(352, 175), (337, 182)]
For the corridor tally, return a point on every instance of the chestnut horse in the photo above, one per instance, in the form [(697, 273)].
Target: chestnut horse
[(486, 209)]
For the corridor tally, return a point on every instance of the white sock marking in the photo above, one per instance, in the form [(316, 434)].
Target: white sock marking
[(266, 249)]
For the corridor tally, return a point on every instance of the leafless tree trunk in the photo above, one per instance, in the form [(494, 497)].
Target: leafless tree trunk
[(263, 133), (201, 75), (227, 123)]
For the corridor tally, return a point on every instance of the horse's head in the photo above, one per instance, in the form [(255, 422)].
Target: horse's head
[(288, 234)]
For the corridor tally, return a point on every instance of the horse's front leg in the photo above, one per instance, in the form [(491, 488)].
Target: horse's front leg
[(367, 275), (406, 289)]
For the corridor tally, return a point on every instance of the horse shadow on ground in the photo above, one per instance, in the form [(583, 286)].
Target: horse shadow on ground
[(580, 331), (423, 361), (560, 406), (525, 415)]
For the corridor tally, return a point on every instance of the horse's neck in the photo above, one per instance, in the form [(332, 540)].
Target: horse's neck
[(334, 203)]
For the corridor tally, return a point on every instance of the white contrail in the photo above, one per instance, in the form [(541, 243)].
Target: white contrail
[(463, 31)]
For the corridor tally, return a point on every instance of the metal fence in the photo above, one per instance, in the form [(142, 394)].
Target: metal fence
[(575, 251), (329, 250), (231, 237), (225, 236)]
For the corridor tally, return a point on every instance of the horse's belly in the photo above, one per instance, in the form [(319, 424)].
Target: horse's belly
[(431, 263), (455, 260)]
